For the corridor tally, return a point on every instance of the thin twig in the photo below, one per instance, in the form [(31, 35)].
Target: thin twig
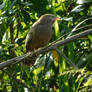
[(66, 58), (83, 27), (69, 33), (18, 80)]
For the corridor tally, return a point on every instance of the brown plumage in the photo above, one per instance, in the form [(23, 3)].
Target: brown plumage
[(39, 34)]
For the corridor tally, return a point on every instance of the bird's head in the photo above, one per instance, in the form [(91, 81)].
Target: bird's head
[(48, 19)]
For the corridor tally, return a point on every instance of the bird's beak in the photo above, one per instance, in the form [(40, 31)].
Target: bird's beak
[(57, 18)]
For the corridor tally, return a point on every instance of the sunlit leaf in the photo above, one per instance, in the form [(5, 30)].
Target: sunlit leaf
[(2, 5)]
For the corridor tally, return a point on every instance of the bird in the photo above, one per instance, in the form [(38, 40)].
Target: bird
[(39, 35)]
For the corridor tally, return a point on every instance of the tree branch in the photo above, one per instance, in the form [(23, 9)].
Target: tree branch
[(45, 49)]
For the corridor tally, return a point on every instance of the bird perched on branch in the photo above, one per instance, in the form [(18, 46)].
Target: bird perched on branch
[(39, 34)]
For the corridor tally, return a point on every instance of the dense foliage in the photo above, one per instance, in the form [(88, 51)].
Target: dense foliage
[(51, 72)]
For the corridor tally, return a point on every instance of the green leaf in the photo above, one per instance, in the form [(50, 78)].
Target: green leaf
[(2, 5)]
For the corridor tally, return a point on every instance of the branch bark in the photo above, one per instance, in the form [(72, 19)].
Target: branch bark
[(45, 49)]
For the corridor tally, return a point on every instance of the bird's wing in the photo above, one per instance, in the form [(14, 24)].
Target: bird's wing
[(29, 38), (27, 41)]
